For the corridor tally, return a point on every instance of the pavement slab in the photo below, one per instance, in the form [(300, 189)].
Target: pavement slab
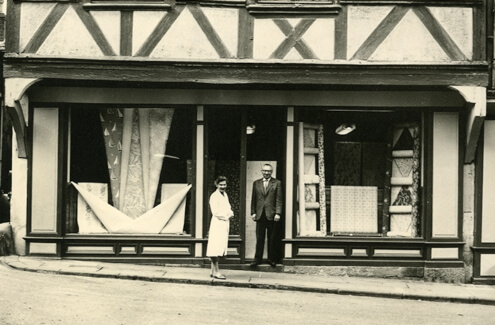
[(274, 279)]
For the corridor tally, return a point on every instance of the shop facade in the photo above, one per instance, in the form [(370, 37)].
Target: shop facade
[(124, 114)]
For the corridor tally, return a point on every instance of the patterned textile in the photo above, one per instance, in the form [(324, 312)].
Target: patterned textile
[(135, 141), (354, 209), (152, 222), (312, 177), (133, 203), (321, 172), (403, 197), (112, 124), (406, 165), (87, 221)]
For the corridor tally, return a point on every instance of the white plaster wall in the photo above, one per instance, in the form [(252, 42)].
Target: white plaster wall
[(144, 24), (72, 33), (362, 21), (109, 23), (32, 16), (409, 41), (458, 22), (267, 37), (18, 204), (185, 39), (224, 22)]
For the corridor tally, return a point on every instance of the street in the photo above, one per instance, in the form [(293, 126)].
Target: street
[(37, 298)]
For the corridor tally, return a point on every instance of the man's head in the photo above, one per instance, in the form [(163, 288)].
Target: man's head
[(266, 171)]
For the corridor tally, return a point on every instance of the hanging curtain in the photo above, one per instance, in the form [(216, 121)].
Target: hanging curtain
[(112, 124), (135, 142)]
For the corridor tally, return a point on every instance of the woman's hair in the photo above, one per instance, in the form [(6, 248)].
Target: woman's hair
[(220, 179)]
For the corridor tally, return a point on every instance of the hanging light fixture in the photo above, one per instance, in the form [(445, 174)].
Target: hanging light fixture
[(345, 128), (250, 129)]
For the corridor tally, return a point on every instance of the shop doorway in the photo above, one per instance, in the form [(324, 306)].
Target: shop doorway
[(239, 141), (265, 144)]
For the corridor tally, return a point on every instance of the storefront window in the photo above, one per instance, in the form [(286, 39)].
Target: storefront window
[(130, 170), (359, 173)]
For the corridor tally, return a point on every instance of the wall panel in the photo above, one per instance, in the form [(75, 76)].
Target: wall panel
[(445, 174), (44, 170), (488, 203)]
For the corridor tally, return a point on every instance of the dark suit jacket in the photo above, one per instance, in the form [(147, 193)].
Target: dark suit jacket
[(271, 201)]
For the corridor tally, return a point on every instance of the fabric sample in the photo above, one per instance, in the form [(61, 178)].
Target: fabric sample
[(134, 204), (112, 124), (87, 221), (404, 166), (354, 209), (176, 222), (152, 222)]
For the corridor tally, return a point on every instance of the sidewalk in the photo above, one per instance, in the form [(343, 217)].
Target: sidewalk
[(372, 287)]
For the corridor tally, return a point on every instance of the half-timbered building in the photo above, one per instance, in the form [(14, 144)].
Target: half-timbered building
[(370, 112)]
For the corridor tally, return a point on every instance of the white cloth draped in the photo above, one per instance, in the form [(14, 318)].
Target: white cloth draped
[(152, 222)]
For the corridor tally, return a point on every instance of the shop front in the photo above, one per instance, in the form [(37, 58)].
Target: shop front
[(120, 133), (128, 173)]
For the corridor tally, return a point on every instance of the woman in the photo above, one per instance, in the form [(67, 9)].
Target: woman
[(218, 238)]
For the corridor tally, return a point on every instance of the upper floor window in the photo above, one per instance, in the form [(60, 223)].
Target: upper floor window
[(293, 7)]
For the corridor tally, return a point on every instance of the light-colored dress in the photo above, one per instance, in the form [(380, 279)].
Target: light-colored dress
[(218, 238)]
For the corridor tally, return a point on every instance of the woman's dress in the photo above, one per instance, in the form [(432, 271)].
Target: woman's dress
[(218, 236)]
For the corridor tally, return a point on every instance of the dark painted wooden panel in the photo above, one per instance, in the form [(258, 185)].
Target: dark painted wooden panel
[(227, 72)]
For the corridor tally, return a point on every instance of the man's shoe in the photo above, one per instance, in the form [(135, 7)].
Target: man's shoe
[(272, 264), (254, 263)]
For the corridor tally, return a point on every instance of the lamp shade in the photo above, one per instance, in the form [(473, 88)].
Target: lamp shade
[(345, 128), (250, 129)]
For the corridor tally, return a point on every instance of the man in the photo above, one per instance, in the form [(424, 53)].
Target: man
[(266, 209)]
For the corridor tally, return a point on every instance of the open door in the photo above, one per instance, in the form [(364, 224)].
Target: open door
[(265, 143)]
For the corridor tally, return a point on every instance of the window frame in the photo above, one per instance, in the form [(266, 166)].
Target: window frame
[(382, 220)]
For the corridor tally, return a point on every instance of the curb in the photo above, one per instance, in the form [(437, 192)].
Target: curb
[(268, 286)]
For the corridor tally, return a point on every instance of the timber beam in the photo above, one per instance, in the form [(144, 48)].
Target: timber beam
[(16, 105), (476, 104), (229, 71)]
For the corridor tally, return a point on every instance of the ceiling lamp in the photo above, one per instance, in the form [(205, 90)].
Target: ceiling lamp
[(250, 129), (345, 128)]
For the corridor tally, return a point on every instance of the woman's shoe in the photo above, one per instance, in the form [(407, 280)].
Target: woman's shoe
[(219, 276)]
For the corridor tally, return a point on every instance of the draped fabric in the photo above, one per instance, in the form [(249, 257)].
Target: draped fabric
[(152, 222), (135, 144), (132, 187), (176, 223), (112, 124), (87, 221)]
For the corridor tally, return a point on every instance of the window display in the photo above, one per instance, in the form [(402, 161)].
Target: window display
[(359, 173), (140, 190)]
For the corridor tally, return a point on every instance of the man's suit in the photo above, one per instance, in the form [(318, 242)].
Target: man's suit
[(266, 204)]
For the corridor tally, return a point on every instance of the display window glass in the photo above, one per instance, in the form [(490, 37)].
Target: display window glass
[(359, 173), (130, 170)]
